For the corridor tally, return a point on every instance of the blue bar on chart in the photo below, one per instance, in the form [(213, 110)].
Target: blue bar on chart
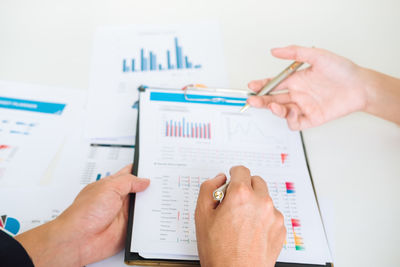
[(186, 129), (98, 177), (148, 61)]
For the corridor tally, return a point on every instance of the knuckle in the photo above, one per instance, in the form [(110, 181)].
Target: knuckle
[(243, 193), (260, 179), (268, 204), (204, 185), (239, 168), (280, 219)]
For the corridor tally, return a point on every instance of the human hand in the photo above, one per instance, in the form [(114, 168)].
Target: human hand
[(244, 229), (91, 229), (331, 87)]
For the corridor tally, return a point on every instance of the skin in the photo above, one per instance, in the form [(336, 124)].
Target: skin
[(245, 225), (91, 229), (331, 87)]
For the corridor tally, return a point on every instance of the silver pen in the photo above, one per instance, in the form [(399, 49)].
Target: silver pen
[(276, 81), (220, 192)]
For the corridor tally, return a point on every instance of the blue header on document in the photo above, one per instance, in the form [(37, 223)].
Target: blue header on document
[(32, 106), (198, 99)]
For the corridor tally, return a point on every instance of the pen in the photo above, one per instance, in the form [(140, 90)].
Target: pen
[(276, 81), (220, 192)]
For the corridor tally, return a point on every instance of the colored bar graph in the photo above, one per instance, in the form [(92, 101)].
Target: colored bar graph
[(290, 188), (185, 129), (148, 61), (298, 240)]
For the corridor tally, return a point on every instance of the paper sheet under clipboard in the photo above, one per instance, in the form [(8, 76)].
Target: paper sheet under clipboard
[(186, 139)]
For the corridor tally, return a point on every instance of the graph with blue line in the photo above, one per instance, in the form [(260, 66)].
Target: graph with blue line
[(150, 61)]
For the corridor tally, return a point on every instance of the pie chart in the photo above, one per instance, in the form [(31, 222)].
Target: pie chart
[(10, 224)]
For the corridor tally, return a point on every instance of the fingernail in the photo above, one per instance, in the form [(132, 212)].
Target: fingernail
[(292, 114), (221, 175)]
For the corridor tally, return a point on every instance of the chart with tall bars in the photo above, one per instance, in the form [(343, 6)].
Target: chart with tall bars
[(184, 128)]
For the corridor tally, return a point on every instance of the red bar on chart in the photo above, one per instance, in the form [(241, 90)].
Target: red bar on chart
[(296, 223), (183, 128), (283, 157), (290, 188)]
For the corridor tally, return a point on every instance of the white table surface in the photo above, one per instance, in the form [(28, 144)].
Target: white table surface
[(355, 161)]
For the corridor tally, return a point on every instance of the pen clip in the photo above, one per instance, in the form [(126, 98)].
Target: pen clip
[(213, 99)]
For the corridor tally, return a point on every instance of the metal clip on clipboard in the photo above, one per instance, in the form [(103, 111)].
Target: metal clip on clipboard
[(203, 88)]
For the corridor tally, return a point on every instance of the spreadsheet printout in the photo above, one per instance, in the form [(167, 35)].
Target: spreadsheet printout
[(183, 143)]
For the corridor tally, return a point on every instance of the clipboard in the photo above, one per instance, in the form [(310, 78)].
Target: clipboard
[(133, 258)]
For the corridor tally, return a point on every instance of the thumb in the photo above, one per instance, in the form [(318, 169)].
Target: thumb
[(298, 53), (128, 183), (139, 184)]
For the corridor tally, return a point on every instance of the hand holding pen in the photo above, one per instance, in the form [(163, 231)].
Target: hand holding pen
[(330, 87), (245, 223)]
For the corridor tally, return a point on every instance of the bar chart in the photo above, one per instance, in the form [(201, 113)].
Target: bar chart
[(149, 60), (290, 188), (298, 240), (187, 129)]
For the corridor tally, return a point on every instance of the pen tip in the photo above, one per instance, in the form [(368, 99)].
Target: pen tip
[(244, 108)]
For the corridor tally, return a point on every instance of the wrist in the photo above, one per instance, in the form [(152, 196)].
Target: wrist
[(49, 245), (383, 95), (370, 80)]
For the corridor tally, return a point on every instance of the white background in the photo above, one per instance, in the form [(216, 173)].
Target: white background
[(354, 160)]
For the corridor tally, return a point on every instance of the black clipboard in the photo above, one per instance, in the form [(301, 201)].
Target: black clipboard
[(133, 258)]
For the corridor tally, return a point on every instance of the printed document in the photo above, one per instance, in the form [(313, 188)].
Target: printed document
[(169, 55), (185, 141), (34, 120)]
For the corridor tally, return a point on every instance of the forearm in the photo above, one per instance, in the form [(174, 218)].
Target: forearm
[(383, 95), (48, 245)]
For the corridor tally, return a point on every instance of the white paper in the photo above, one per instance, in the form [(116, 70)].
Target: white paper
[(113, 84), (34, 121), (105, 160), (179, 159)]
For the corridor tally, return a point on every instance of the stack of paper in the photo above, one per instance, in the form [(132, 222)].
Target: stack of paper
[(45, 156)]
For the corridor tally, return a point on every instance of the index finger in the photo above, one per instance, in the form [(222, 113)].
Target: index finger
[(298, 53), (240, 175)]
